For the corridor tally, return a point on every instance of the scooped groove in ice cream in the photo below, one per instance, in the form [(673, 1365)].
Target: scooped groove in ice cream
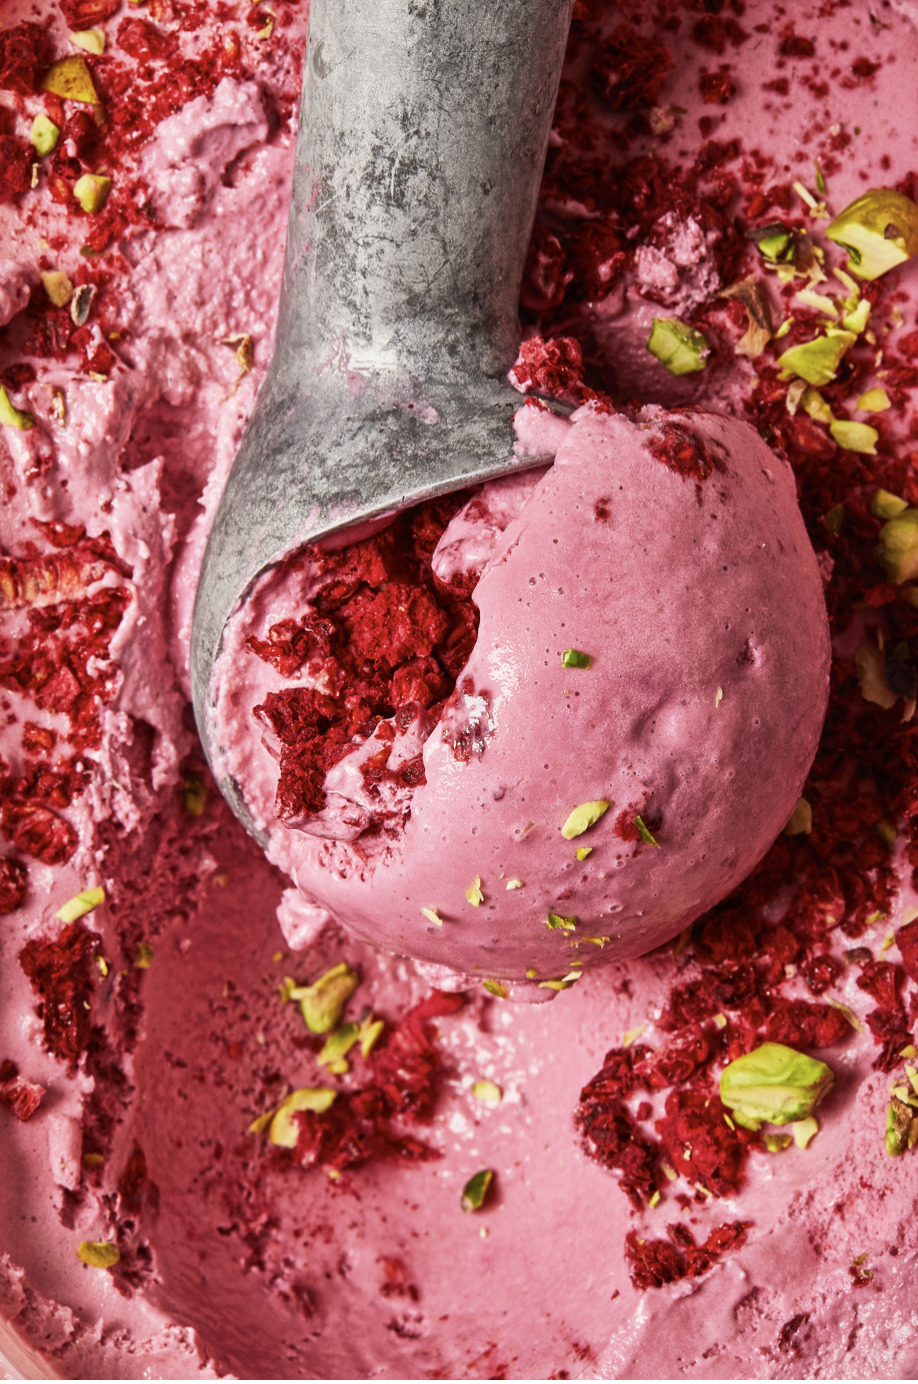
[(629, 733)]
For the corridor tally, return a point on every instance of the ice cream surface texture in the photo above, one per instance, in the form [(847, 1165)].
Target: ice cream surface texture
[(666, 556), (225, 1156)]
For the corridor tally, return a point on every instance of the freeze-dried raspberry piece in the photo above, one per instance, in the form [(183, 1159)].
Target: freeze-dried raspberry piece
[(13, 884), (700, 1144), (907, 942), (676, 1061), (21, 58), (86, 14), (805, 1023), (652, 1263), (60, 971), (685, 451), (15, 167), (629, 70), (38, 832), (21, 1096), (390, 626)]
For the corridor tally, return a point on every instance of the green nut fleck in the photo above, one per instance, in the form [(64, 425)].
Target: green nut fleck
[(879, 230), (897, 550), (679, 347), (323, 1002), (774, 1084)]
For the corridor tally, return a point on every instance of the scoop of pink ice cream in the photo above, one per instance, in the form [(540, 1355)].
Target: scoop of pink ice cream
[(571, 815)]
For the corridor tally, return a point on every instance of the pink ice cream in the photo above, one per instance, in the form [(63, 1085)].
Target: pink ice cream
[(629, 1231), (668, 550)]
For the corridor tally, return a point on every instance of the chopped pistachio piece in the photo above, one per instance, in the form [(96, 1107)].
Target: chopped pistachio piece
[(573, 658), (488, 1092), (804, 1131), (584, 817), (885, 505), (555, 922), (801, 819), (12, 417), (897, 549), (194, 795), (44, 135), (370, 1033), (597, 941), (679, 347), (879, 230), (497, 988), (562, 983), (776, 1143), (817, 361), (857, 437), (98, 1254), (71, 79), (284, 1130), (91, 191), (645, 833), (90, 40), (432, 916), (856, 318), (631, 1035), (475, 1191), (143, 957), (261, 1122), (775, 242), (583, 852), (322, 1003), (834, 519), (901, 1127), (874, 401), (81, 903), (337, 1046), (774, 1084), (473, 893), (58, 287), (514, 884)]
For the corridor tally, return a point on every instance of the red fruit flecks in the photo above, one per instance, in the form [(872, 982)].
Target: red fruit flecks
[(60, 969), (15, 167), (21, 58), (21, 1096), (13, 884), (38, 832), (629, 69), (685, 451), (85, 14)]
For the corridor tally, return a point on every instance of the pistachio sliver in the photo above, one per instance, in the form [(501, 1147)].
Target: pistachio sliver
[(677, 346), (584, 817), (284, 1130), (879, 230)]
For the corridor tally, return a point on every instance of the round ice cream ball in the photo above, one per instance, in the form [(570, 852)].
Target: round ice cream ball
[(630, 732)]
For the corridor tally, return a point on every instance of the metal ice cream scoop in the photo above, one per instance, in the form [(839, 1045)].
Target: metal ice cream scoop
[(422, 138)]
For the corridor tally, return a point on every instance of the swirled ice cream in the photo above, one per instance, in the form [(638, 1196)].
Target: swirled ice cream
[(608, 755), (223, 1156)]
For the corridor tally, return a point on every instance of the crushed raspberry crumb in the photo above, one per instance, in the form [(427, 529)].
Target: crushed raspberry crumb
[(13, 884), (60, 969)]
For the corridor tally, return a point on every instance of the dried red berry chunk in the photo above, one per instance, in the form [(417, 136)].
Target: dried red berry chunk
[(85, 14), (20, 1096), (61, 971), (13, 884), (21, 58)]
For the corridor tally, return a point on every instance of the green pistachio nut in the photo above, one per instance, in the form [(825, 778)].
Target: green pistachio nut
[(774, 1084), (679, 347), (475, 1191), (817, 361), (897, 549), (12, 417), (323, 1002), (44, 135), (584, 817), (284, 1130), (879, 231), (885, 505)]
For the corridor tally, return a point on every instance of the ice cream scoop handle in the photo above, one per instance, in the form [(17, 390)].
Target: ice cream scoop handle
[(424, 127)]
